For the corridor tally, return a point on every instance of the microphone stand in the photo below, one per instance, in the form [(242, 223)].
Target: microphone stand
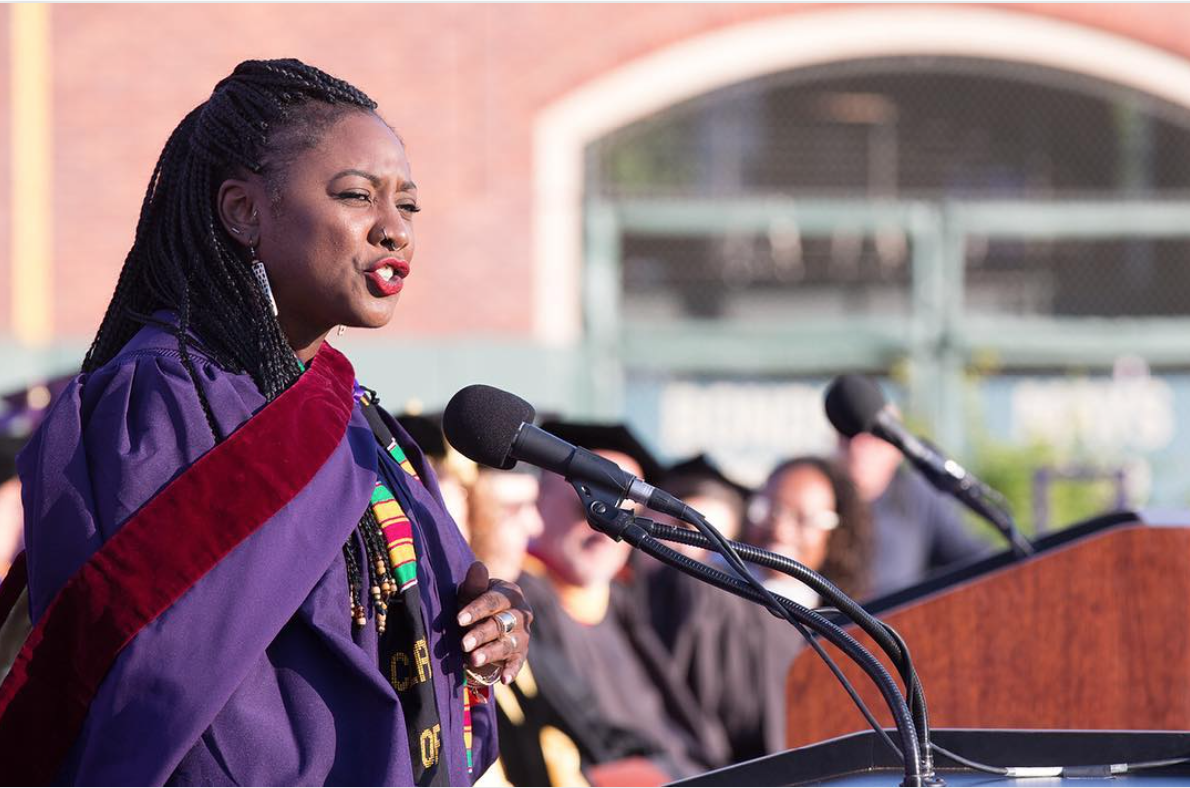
[(972, 493), (998, 514), (886, 637), (603, 514)]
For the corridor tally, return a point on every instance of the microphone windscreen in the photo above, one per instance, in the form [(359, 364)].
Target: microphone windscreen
[(852, 402), (481, 422)]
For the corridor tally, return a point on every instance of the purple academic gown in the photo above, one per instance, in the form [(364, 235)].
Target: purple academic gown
[(255, 675)]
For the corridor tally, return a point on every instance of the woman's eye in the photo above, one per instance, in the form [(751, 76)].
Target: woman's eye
[(357, 196), (409, 208)]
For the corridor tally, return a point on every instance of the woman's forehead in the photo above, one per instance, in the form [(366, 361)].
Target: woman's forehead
[(804, 480), (361, 144)]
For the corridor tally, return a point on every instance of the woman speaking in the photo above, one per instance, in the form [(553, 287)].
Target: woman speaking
[(239, 569)]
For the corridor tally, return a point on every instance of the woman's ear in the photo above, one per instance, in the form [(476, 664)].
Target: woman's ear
[(237, 211)]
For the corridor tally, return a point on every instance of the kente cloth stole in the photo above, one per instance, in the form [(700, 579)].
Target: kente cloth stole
[(404, 646)]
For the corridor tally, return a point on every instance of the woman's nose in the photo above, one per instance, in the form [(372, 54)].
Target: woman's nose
[(391, 231), (399, 235)]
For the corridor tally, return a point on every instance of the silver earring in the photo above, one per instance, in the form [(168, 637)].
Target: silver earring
[(262, 277), (384, 235), (342, 330)]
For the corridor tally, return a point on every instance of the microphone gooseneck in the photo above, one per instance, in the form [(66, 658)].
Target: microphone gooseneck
[(494, 427), (882, 634), (621, 524)]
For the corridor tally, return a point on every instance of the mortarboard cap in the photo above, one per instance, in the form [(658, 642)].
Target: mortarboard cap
[(426, 431), (701, 467), (610, 437)]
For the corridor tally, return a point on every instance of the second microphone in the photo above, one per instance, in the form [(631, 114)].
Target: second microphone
[(495, 428)]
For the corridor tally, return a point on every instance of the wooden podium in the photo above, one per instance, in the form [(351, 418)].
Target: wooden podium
[(1090, 633)]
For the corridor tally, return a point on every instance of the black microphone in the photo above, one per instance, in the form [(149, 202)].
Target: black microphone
[(495, 428), (854, 404)]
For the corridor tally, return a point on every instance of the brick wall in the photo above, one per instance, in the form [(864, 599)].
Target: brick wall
[(5, 181), (462, 84)]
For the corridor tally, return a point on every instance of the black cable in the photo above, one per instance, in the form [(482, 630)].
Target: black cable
[(976, 765), (834, 668), (1104, 771), (878, 630), (727, 550), (855, 698), (910, 750), (690, 566), (884, 636), (604, 515), (1132, 767), (917, 697)]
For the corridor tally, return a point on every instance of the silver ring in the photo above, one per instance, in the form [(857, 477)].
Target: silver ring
[(478, 679), (507, 621), (512, 642)]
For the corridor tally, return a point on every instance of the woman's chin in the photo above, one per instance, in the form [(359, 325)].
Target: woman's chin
[(377, 315)]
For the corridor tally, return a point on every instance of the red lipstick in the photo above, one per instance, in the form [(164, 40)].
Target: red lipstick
[(392, 285)]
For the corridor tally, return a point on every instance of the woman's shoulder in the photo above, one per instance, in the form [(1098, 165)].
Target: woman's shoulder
[(141, 408), (150, 372), (111, 440), (158, 343)]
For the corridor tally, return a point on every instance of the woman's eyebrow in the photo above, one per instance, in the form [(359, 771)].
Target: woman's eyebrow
[(375, 180)]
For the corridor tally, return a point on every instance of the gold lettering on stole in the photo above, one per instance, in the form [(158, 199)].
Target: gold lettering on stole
[(431, 745), (421, 655), (400, 667), (400, 679)]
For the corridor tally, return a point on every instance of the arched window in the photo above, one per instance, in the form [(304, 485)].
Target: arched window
[(915, 217), (911, 128)]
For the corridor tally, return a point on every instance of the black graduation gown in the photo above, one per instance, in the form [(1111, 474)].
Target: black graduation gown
[(672, 731), (732, 654)]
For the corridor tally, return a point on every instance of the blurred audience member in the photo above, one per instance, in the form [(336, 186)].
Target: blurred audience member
[(596, 624), (730, 652), (21, 411), (810, 511), (551, 732), (917, 529), (12, 517), (455, 472), (504, 517), (12, 523), (700, 483)]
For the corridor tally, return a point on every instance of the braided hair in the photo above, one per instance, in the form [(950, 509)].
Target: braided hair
[(257, 120)]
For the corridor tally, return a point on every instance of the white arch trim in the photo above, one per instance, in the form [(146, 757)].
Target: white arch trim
[(713, 60)]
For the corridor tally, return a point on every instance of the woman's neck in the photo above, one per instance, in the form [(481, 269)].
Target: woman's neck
[(309, 350), (304, 341)]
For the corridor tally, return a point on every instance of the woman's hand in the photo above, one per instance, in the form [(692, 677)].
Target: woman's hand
[(487, 606)]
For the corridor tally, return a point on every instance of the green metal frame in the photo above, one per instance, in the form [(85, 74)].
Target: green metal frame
[(936, 340), (408, 372), (934, 344)]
